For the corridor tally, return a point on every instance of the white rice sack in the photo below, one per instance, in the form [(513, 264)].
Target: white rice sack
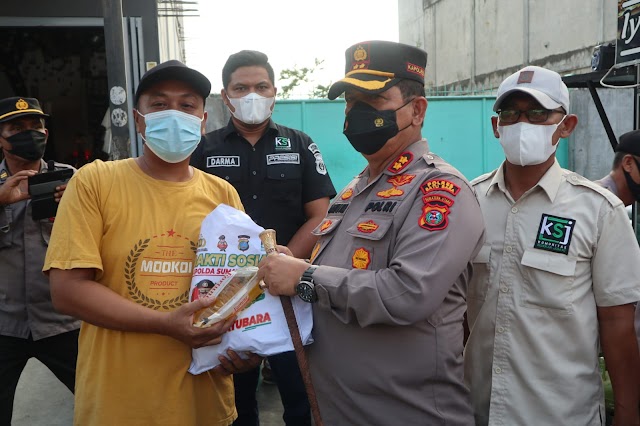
[(229, 240)]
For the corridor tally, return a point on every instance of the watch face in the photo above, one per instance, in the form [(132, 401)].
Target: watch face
[(306, 292)]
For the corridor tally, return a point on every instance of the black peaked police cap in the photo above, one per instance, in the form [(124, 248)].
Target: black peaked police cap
[(375, 66), (11, 108), (174, 70), (629, 143)]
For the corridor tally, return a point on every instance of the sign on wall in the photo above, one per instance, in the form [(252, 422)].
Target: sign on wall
[(628, 42)]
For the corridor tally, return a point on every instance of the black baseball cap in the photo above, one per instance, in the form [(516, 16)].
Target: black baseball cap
[(14, 107), (375, 66), (629, 143), (174, 70)]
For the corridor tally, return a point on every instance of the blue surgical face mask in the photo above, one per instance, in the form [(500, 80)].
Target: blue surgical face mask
[(172, 135)]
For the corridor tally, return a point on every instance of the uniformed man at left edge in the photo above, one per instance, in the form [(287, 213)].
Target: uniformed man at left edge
[(29, 325)]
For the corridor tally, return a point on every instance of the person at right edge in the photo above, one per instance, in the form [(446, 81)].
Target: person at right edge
[(283, 184), (556, 279), (624, 181), (391, 267)]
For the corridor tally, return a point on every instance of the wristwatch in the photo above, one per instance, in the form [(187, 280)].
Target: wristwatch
[(306, 289)]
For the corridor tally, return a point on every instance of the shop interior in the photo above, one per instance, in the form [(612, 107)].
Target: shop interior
[(65, 69)]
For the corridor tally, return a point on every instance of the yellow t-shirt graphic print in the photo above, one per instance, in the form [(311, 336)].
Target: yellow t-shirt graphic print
[(140, 235), (156, 268)]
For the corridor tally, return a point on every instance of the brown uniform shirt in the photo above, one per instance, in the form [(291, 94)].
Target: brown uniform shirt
[(25, 298), (608, 182), (550, 259), (394, 260)]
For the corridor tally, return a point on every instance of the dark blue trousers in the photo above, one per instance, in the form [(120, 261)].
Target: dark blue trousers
[(290, 385), (58, 353)]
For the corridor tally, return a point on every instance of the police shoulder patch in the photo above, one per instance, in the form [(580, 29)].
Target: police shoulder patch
[(434, 215), (440, 185)]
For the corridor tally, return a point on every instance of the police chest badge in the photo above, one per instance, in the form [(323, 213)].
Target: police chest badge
[(325, 225), (347, 194), (367, 227), (554, 234), (361, 258)]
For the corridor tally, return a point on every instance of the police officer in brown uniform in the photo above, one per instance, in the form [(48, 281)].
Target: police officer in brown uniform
[(29, 326), (389, 274), (624, 181)]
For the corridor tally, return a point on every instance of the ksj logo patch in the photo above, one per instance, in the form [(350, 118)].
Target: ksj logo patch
[(283, 143), (555, 234)]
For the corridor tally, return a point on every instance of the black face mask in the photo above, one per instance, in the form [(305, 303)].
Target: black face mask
[(368, 129), (634, 188), (29, 144)]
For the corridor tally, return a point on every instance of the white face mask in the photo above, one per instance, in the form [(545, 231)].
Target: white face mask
[(252, 108), (527, 144)]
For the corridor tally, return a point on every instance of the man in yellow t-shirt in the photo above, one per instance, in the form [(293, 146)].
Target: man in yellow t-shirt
[(120, 258)]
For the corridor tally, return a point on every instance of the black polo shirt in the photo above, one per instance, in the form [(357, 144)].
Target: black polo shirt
[(274, 178)]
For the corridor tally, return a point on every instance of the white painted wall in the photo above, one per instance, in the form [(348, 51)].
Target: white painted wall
[(477, 43)]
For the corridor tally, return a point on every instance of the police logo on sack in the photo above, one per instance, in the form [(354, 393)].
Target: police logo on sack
[(243, 242), (222, 244), (554, 234)]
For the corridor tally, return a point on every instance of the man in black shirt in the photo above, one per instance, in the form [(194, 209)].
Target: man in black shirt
[(283, 184)]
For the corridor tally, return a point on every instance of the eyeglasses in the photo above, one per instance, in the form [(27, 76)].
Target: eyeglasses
[(510, 116)]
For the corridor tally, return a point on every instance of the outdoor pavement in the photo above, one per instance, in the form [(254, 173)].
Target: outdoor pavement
[(41, 400)]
